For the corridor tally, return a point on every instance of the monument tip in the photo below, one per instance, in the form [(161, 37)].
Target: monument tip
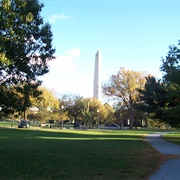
[(98, 52)]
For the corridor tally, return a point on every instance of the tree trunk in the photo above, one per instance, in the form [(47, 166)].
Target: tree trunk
[(24, 115), (75, 121), (12, 122), (131, 118)]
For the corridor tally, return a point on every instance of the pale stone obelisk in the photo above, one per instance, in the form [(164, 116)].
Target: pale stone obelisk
[(97, 76)]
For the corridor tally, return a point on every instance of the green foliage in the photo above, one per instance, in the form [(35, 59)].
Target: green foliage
[(47, 100), (93, 111), (158, 102), (73, 105), (17, 98), (108, 113), (120, 115), (172, 112), (155, 123), (171, 69), (87, 116), (86, 111), (25, 41), (47, 106), (25, 50), (170, 65), (161, 99), (153, 98)]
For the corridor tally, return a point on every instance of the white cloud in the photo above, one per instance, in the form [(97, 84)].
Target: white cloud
[(56, 17), (73, 52), (66, 78), (65, 62)]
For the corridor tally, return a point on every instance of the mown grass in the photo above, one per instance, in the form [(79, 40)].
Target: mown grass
[(8, 124), (34, 125), (173, 137), (75, 154)]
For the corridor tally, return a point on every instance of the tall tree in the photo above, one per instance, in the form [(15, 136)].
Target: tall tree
[(153, 98), (25, 45), (86, 112), (154, 101), (25, 41), (161, 98), (26, 91), (121, 114), (92, 111), (8, 100), (47, 104), (108, 113), (47, 100), (170, 65), (17, 98), (123, 86), (171, 69), (74, 107)]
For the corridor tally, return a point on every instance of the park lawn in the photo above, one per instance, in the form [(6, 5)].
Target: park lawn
[(173, 137), (76, 154), (8, 124), (34, 125)]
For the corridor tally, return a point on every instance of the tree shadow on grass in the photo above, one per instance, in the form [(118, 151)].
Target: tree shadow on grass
[(36, 154)]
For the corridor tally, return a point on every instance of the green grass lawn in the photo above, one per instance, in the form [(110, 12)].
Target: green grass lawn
[(8, 124), (173, 137), (35, 125), (75, 154)]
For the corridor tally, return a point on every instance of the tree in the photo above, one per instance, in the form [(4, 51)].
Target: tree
[(47, 100), (17, 98), (159, 101), (25, 45), (27, 92), (170, 65), (25, 41), (8, 100), (86, 112), (74, 107), (153, 98), (47, 105), (99, 112), (108, 113), (121, 114), (171, 68), (161, 98), (123, 86), (92, 111)]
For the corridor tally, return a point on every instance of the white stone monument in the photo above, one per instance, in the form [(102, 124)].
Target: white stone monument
[(97, 77)]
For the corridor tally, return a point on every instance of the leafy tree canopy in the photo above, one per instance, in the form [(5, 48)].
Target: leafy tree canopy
[(171, 69), (123, 86), (25, 41), (170, 65), (153, 98), (161, 99), (25, 50)]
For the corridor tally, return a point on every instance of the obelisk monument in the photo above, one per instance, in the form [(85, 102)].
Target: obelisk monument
[(97, 76)]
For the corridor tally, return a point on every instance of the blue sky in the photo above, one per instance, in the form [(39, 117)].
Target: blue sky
[(133, 34)]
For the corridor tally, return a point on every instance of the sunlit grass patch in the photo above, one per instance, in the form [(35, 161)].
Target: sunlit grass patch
[(94, 135)]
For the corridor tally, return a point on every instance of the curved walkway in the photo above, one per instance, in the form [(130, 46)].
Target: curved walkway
[(170, 170)]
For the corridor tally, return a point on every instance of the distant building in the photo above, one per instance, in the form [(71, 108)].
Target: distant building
[(97, 77)]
